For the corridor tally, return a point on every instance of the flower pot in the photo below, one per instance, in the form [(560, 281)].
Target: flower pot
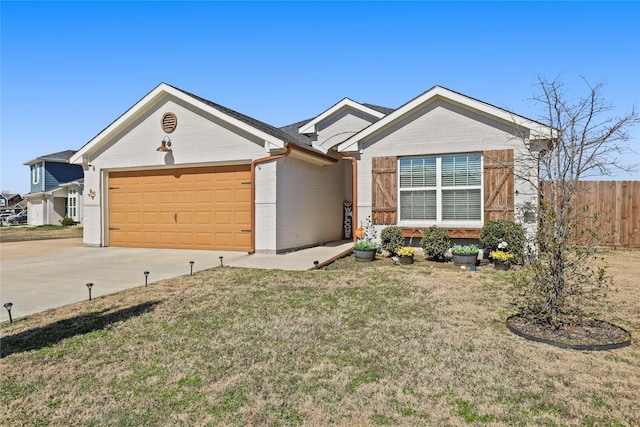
[(501, 265), (466, 260), (365, 255), (406, 259)]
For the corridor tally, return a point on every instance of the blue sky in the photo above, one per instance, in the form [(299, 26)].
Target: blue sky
[(70, 68)]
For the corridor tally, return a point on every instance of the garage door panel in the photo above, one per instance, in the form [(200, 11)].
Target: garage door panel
[(204, 196), (200, 208)]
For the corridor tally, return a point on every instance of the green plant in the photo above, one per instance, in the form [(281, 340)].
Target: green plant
[(406, 251), (391, 239), (66, 221), (435, 242), (496, 231), (365, 244), (464, 249)]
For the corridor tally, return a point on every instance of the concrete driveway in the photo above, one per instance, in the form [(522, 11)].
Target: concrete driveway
[(39, 275)]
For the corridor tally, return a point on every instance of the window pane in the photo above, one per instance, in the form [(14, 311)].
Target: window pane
[(461, 170), (418, 172), (418, 205), (461, 205)]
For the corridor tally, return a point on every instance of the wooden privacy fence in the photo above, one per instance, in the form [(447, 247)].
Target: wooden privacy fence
[(617, 203)]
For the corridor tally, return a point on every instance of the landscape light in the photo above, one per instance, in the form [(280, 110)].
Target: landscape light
[(8, 306), (191, 264), (89, 286), (146, 277), (220, 258), (316, 263)]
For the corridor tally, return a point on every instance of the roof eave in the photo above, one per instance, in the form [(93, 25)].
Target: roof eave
[(161, 91), (310, 127), (439, 92)]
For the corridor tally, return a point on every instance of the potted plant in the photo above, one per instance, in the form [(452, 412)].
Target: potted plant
[(365, 249), (502, 259), (405, 255), (464, 255)]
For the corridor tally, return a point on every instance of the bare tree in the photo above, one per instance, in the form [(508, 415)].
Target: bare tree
[(583, 139)]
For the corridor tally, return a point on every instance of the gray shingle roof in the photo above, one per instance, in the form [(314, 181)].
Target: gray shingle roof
[(264, 127), (292, 130), (383, 110), (60, 155)]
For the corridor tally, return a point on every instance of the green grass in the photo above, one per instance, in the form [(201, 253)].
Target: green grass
[(355, 345)]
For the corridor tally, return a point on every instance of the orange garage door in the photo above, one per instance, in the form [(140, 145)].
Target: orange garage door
[(189, 208)]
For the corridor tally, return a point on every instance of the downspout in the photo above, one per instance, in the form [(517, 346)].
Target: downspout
[(253, 191), (354, 190)]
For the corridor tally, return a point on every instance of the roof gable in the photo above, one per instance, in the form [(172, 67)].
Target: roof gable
[(538, 130), (274, 138), (345, 104)]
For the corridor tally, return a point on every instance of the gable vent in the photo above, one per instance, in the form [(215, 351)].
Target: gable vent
[(169, 122)]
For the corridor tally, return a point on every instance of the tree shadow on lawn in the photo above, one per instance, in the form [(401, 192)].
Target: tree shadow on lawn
[(37, 338)]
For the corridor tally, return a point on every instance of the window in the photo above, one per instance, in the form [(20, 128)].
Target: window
[(441, 189), (35, 173), (73, 204)]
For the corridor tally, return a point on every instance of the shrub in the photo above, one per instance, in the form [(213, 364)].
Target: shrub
[(391, 238), (504, 230), (435, 242), (66, 221)]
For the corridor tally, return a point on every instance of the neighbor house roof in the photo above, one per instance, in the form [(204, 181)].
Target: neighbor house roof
[(538, 130), (59, 157)]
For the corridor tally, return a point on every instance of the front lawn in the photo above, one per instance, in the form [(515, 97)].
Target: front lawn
[(366, 344), (42, 232)]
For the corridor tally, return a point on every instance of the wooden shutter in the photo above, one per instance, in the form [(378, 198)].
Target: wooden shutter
[(384, 192), (498, 184)]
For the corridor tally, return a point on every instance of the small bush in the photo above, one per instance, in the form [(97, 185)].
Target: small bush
[(392, 240), (66, 221), (504, 230), (435, 242)]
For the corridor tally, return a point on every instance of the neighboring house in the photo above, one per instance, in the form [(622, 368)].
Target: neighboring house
[(179, 171), (56, 189), (10, 203)]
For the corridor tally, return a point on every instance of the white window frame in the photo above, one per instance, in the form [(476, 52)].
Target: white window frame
[(35, 173), (72, 204), (439, 188)]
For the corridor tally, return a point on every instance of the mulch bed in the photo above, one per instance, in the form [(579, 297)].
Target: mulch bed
[(580, 334)]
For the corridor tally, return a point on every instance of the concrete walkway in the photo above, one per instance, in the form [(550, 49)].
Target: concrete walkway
[(39, 275)]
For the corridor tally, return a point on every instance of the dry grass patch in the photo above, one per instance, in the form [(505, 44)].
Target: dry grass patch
[(360, 344), (43, 232)]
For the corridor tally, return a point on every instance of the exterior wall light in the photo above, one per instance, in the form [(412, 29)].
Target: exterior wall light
[(165, 146)]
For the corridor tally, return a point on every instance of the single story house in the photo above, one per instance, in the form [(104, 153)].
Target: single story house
[(56, 189), (179, 171)]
